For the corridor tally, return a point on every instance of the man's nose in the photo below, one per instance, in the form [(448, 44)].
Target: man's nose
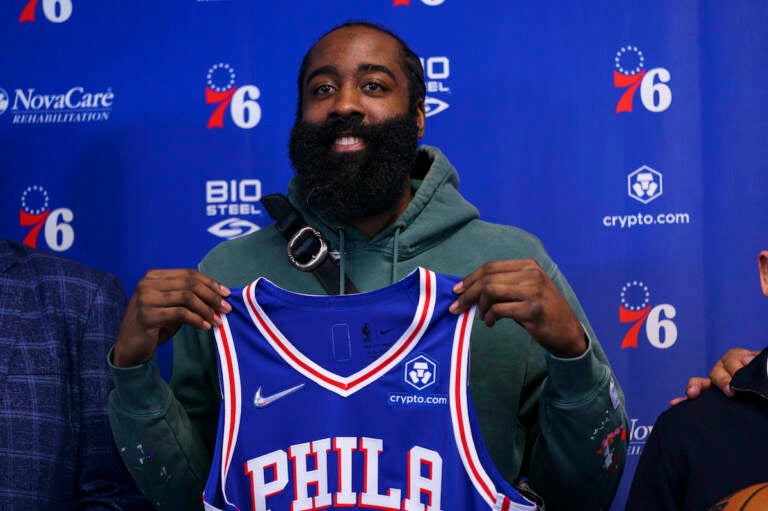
[(348, 103)]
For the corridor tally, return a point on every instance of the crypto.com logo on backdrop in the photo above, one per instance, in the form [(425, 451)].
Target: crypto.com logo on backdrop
[(630, 73), (431, 3), (55, 11), (36, 214), (220, 89), (645, 185), (635, 307)]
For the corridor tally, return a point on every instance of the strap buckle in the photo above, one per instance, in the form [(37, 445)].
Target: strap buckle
[(317, 258)]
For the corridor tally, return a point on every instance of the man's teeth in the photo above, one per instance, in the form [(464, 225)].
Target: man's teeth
[(347, 140)]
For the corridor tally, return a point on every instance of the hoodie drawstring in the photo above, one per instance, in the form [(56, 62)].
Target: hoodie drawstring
[(398, 228), (342, 260)]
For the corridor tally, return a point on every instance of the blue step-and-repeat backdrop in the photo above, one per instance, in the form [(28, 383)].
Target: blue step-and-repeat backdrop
[(629, 136)]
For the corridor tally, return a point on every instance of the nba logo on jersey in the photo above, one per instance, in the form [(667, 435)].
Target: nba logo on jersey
[(307, 421)]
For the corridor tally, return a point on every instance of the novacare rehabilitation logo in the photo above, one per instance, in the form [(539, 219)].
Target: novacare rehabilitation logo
[(75, 105)]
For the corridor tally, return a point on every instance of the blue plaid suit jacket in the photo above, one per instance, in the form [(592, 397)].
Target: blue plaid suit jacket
[(57, 321)]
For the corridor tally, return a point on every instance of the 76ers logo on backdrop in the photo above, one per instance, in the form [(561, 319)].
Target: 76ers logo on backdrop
[(220, 89), (636, 308), (57, 11), (36, 214), (630, 73)]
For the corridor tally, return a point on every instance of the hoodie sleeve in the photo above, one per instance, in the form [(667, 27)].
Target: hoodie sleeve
[(160, 429), (579, 446)]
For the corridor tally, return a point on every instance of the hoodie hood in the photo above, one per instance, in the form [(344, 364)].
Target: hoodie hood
[(436, 211)]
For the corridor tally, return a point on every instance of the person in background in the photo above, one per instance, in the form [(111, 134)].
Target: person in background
[(57, 321), (711, 445)]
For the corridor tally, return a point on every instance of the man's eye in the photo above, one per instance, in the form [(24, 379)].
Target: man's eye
[(323, 89), (373, 87)]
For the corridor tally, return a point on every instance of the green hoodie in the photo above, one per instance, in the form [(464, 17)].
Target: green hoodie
[(560, 423)]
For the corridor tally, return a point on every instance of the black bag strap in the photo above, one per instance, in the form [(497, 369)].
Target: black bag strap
[(307, 249)]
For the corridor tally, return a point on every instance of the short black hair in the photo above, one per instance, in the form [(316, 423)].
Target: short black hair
[(417, 89)]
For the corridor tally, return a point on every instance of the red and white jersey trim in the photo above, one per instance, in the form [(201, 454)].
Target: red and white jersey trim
[(462, 428), (347, 385), (230, 377)]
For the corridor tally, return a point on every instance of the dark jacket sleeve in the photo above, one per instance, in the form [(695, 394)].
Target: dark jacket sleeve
[(102, 481), (660, 478)]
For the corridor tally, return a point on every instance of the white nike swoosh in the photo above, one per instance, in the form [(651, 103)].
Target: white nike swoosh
[(262, 401)]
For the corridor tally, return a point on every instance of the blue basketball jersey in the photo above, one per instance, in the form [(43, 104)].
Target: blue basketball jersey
[(356, 401)]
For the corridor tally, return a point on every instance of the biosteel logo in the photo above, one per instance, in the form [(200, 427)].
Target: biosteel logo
[(239, 101), (55, 11), (437, 72), (233, 204)]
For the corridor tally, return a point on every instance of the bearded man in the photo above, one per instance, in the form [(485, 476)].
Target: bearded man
[(550, 410)]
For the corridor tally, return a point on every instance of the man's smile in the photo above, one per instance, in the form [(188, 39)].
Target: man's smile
[(346, 143)]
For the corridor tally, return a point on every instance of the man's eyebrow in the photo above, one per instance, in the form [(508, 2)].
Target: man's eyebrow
[(368, 68), (322, 70), (362, 68)]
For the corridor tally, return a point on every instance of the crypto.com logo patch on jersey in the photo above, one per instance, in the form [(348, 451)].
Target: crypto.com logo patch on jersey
[(635, 308), (36, 214), (407, 3), (437, 70), (55, 11), (240, 101), (420, 372), (630, 73), (229, 201), (645, 184)]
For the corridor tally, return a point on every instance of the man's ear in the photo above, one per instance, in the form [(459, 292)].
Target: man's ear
[(421, 116), (762, 264)]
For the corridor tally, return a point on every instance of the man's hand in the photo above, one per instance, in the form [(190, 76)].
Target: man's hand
[(519, 289), (162, 302), (720, 376)]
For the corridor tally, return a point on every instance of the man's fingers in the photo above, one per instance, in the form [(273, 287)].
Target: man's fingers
[(721, 378), (161, 307), (184, 315), (500, 281), (696, 385), (746, 359), (182, 288), (677, 400), (692, 390), (493, 268), (183, 279), (162, 302)]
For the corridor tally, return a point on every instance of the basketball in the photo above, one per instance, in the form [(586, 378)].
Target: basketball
[(754, 498)]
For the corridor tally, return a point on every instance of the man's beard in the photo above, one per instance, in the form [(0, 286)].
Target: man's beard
[(356, 184)]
